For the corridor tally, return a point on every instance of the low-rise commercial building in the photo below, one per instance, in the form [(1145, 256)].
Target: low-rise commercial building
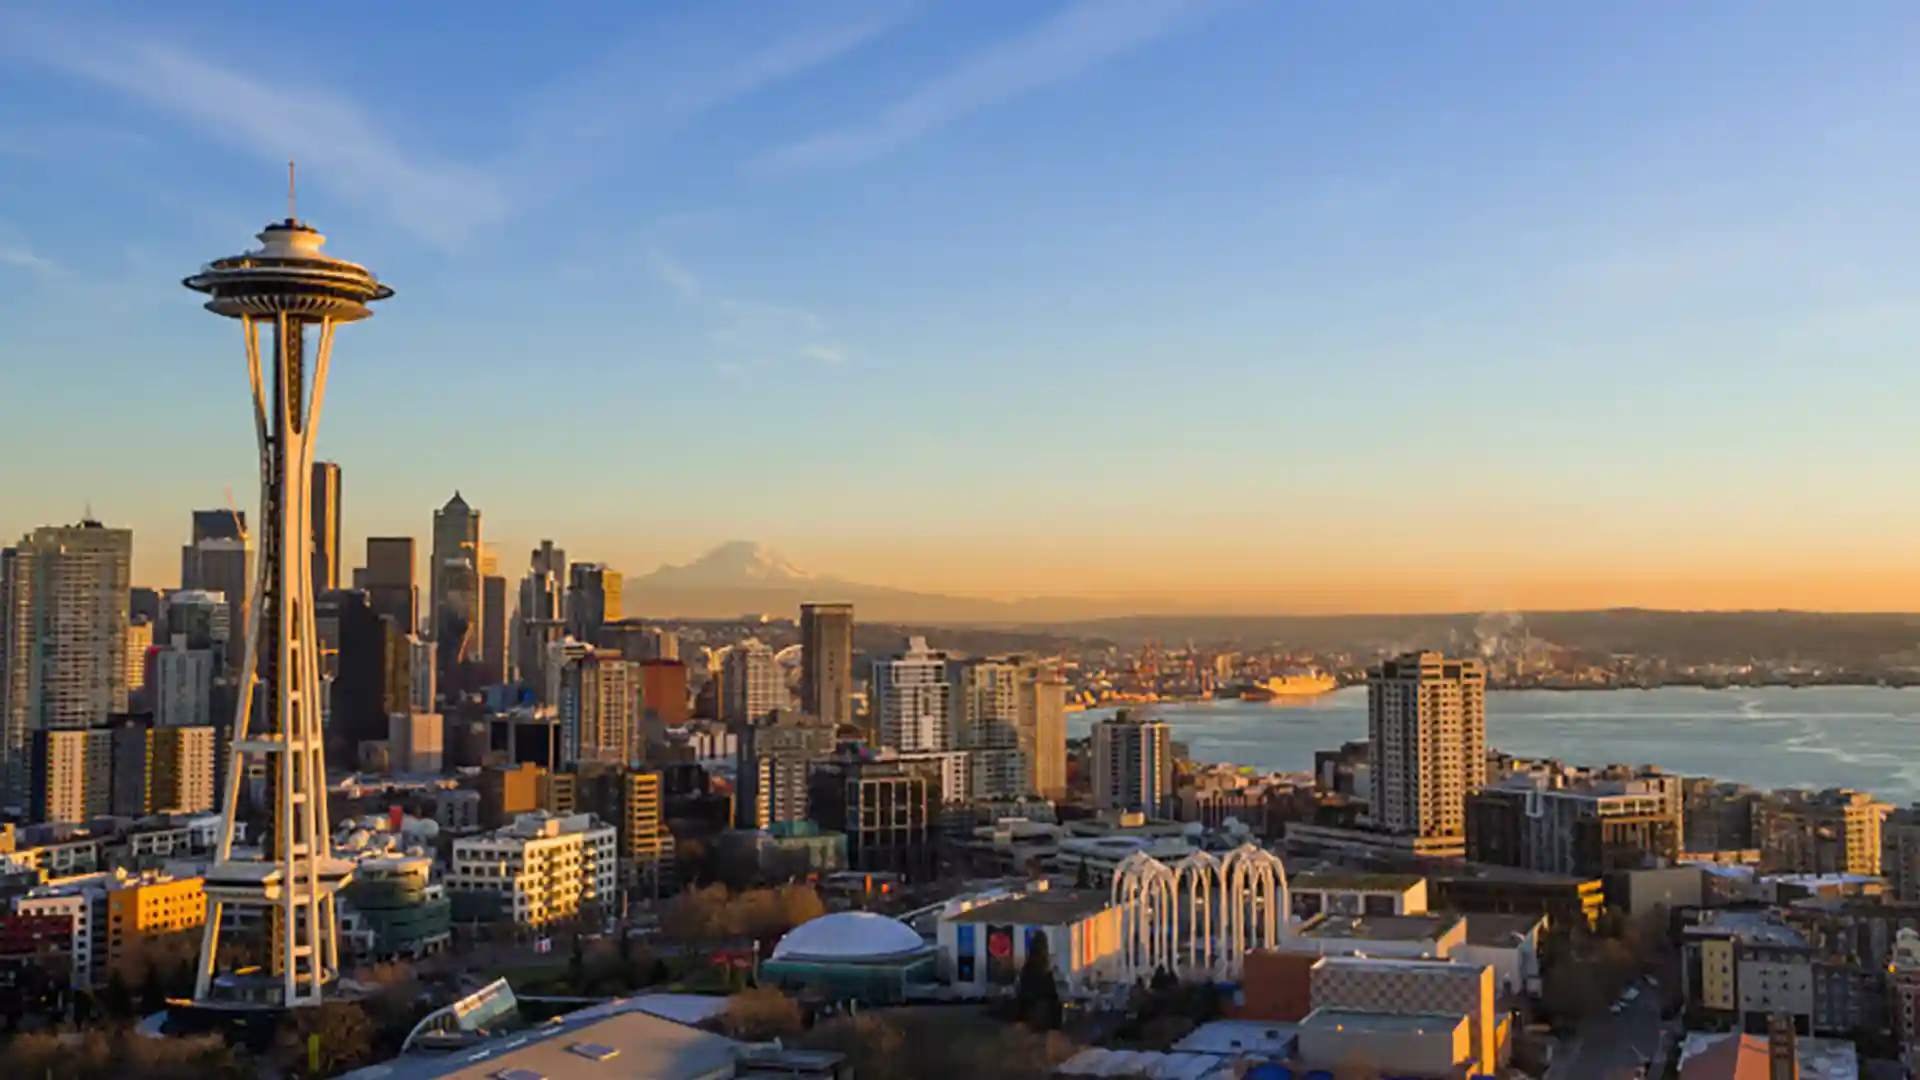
[(536, 871), (1584, 828), (1343, 892), (1836, 831), (986, 944), (394, 909)]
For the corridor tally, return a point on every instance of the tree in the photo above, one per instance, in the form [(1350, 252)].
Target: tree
[(876, 1048), (153, 992), (760, 1014), (338, 1035), (577, 966), (116, 999), (1037, 996)]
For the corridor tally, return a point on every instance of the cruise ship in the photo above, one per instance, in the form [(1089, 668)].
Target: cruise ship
[(1292, 685)]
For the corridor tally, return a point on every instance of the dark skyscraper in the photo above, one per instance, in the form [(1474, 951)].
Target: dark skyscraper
[(375, 678), (493, 630), (219, 525), (826, 662), (323, 496), (220, 559), (389, 580), (453, 581), (593, 599)]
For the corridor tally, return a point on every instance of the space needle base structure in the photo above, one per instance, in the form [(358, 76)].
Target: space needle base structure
[(294, 296)]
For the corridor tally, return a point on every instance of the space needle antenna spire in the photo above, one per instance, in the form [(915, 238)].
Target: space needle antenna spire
[(297, 295)]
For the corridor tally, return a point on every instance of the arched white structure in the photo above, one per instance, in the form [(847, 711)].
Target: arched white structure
[(1143, 888), (1256, 902), (1218, 907), (1198, 880)]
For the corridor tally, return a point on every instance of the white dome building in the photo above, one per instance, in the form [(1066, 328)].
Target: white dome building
[(851, 956)]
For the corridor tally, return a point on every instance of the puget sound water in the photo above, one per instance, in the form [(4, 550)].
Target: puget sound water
[(1859, 737)]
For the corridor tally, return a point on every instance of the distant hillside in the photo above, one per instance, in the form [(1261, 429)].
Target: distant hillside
[(742, 577)]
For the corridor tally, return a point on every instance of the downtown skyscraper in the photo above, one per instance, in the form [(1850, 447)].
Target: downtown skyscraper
[(389, 580), (826, 662), (751, 683), (540, 621), (912, 699), (219, 559), (593, 600), (453, 579), (63, 619), (323, 495)]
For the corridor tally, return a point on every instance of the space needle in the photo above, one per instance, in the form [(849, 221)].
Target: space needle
[(296, 296)]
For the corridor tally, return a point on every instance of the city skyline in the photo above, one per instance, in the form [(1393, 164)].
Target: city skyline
[(1585, 306)]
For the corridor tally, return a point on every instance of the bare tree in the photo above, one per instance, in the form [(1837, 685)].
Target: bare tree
[(760, 1014)]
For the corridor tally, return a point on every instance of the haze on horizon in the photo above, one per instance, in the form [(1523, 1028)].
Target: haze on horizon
[(1225, 306)]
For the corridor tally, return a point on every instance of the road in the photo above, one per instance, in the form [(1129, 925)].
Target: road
[(1612, 1046)]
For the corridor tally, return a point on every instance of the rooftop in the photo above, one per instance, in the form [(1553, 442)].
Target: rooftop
[(1501, 930), (1051, 907), (1750, 927), (1354, 881), (1239, 1036), (1718, 1056), (1379, 927), (1396, 1023), (622, 1040)]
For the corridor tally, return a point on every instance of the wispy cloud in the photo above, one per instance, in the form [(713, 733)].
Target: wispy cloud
[(668, 271), (19, 256), (1084, 35), (641, 92), (749, 332), (273, 121), (622, 98)]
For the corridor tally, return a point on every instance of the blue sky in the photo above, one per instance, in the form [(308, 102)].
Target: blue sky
[(1293, 305)]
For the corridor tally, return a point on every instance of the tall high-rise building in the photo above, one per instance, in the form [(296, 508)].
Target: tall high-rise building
[(375, 681), (493, 629), (1427, 727), (72, 775), (183, 769), (826, 662), (139, 641), (911, 700), (222, 564), (663, 692), (753, 685), (200, 617), (389, 580), (183, 685), (323, 496), (599, 709), (1043, 728), (218, 525), (593, 600), (66, 637), (1132, 760), (454, 580), (631, 799), (130, 740), (986, 724), (540, 620), (776, 756)]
